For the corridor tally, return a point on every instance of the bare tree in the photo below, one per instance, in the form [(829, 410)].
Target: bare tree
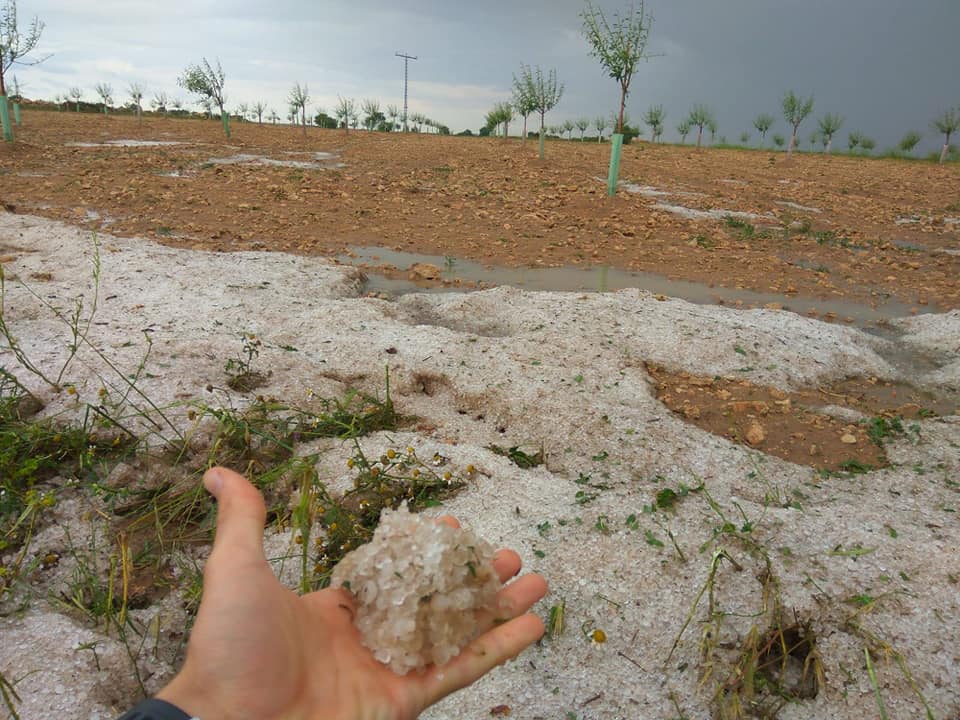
[(795, 111), (619, 45), (948, 124), (243, 110), (683, 128), (763, 123), (177, 105), (136, 94), (828, 126), (208, 83), (600, 123), (105, 91), (273, 117), (568, 128), (258, 109), (160, 102), (346, 111), (75, 95)]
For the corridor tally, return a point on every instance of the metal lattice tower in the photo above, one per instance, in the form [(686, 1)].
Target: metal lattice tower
[(406, 70)]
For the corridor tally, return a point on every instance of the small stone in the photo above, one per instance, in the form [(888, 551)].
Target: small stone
[(848, 439), (424, 271), (756, 434)]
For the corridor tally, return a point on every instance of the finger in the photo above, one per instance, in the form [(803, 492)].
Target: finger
[(513, 600), (507, 564), (241, 513), (493, 648)]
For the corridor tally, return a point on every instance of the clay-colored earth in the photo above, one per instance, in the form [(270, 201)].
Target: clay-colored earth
[(874, 232), (863, 230)]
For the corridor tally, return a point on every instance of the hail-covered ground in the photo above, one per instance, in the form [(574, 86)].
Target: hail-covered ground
[(853, 561)]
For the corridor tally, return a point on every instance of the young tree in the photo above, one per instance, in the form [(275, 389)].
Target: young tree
[(854, 139), (523, 102), (683, 128), (177, 105), (779, 140), (299, 97), (600, 123), (393, 112), (371, 113), (655, 117), (136, 94), (795, 111), (243, 110), (160, 102), (105, 91), (948, 124), (75, 95), (544, 92), (345, 111), (259, 108), (619, 45), (582, 125), (909, 141), (868, 144), (15, 46), (744, 137), (506, 116), (568, 128), (273, 117), (712, 127), (418, 120), (207, 83), (763, 122), (701, 116), (828, 126)]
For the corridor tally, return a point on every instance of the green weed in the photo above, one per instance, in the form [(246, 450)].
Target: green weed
[(518, 457)]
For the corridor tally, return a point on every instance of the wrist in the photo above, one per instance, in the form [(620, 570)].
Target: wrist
[(156, 709), (192, 702)]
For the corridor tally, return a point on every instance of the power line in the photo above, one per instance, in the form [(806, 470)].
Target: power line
[(406, 67)]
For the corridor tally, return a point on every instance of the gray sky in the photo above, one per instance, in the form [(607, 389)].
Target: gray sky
[(887, 66)]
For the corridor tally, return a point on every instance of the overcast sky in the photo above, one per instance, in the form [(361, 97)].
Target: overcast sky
[(887, 66)]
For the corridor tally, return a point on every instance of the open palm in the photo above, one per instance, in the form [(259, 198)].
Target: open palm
[(258, 650)]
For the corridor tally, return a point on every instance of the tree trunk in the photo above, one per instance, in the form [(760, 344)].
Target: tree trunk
[(826, 150), (700, 136), (623, 106), (793, 142), (139, 117), (943, 153)]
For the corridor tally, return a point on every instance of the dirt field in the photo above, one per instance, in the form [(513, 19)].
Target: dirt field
[(716, 483), (871, 232)]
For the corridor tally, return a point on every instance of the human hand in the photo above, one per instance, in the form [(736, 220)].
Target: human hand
[(258, 650)]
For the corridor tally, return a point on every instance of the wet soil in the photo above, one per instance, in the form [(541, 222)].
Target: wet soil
[(850, 230), (805, 426)]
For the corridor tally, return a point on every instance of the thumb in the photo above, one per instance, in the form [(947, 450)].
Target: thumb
[(241, 513)]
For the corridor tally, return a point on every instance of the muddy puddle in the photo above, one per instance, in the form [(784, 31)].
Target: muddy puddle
[(317, 161), (397, 273)]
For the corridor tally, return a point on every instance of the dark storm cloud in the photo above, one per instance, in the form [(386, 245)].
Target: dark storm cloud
[(887, 66)]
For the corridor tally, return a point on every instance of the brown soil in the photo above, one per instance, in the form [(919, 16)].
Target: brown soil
[(793, 425), (493, 201)]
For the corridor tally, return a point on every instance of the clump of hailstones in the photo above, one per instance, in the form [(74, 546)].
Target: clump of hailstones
[(419, 585)]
